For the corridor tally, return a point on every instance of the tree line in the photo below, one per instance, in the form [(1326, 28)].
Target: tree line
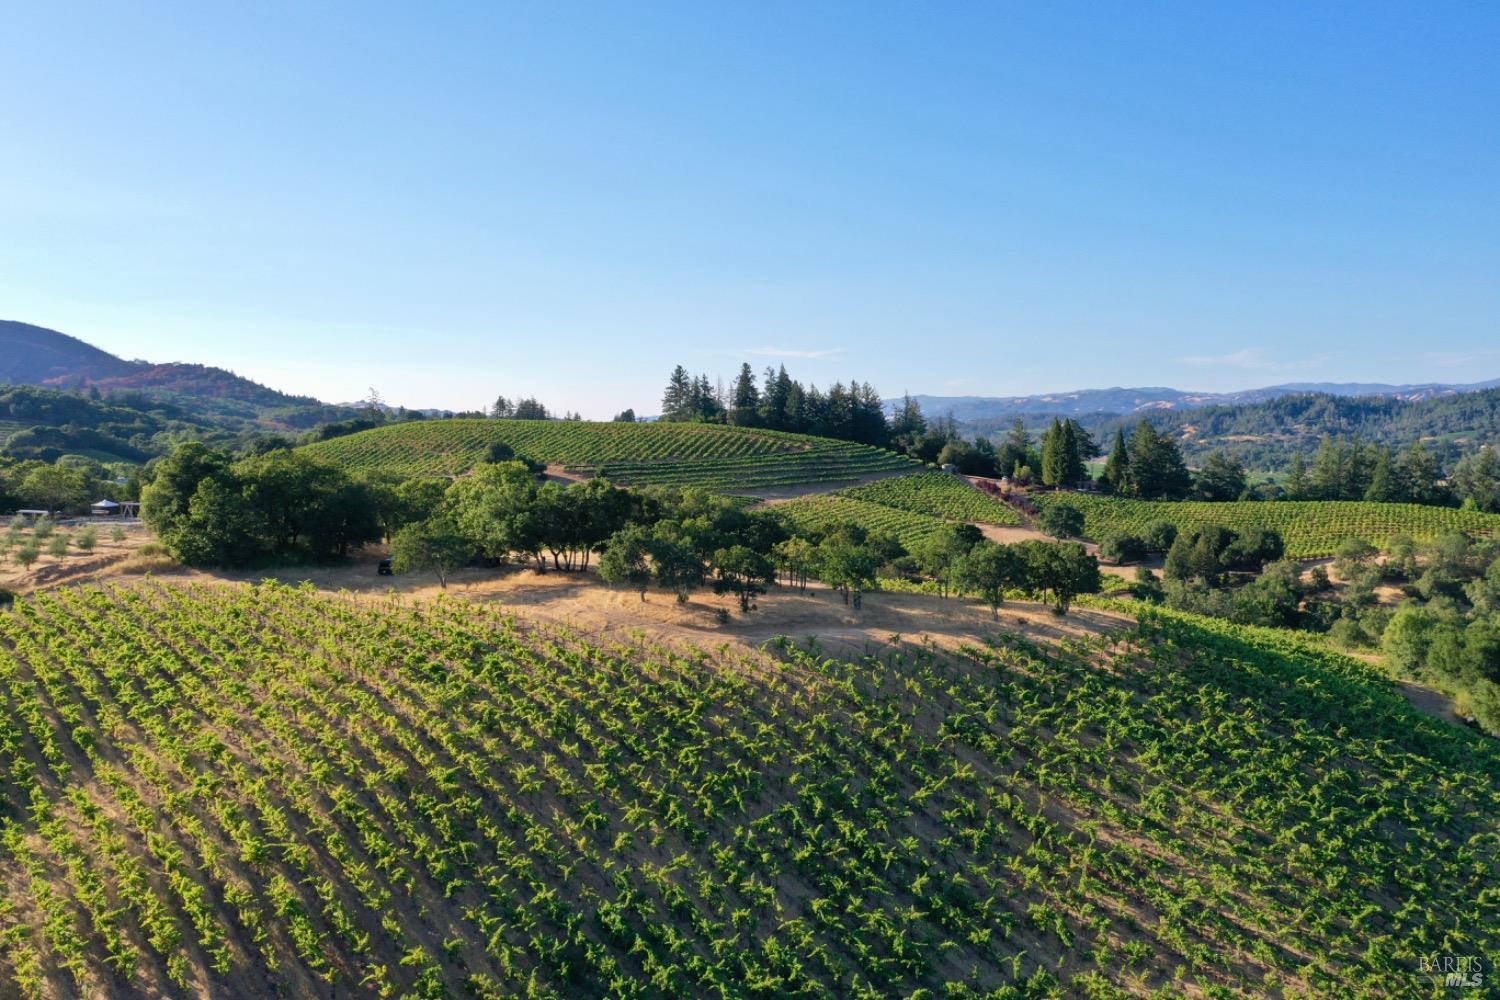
[(778, 402), (1356, 470), (211, 510)]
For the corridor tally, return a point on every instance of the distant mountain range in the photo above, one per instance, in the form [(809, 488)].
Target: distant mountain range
[(983, 410), (60, 395), (49, 406), (35, 355)]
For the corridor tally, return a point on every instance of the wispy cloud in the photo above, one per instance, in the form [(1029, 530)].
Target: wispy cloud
[(1254, 359), (1249, 357), (1461, 359), (791, 352)]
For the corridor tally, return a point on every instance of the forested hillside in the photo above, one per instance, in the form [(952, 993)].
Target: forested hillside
[(1267, 435), (34, 355), (188, 395), (134, 425)]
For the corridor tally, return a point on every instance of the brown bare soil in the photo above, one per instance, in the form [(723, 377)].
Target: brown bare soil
[(1008, 535), (1430, 701), (583, 602), (76, 566)]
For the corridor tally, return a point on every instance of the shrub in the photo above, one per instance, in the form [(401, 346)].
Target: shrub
[(1347, 634), (1061, 520), (1484, 699), (1121, 549), (1158, 536)]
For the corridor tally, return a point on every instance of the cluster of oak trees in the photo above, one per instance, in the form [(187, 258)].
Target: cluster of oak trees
[(211, 510), (1447, 627), (682, 540)]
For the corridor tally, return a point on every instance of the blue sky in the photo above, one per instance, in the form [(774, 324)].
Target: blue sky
[(449, 201)]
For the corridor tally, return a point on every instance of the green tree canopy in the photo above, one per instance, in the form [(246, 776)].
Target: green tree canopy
[(435, 545)]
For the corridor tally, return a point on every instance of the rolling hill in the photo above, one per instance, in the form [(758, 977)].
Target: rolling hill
[(60, 395), (1000, 410), (1263, 427), (714, 456), (35, 355), (247, 791), (1266, 435)]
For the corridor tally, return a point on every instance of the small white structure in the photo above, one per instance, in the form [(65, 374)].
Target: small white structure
[(950, 468), (109, 508)]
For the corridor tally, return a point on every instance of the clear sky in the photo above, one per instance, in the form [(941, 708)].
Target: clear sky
[(449, 201)]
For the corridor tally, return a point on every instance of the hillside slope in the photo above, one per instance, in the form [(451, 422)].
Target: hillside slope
[(1267, 434), (241, 791), (34, 355), (713, 456)]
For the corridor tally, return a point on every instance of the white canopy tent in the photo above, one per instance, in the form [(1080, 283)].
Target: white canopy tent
[(109, 508)]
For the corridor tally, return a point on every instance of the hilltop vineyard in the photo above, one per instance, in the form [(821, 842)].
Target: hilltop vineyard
[(1310, 528), (724, 459), (256, 790)]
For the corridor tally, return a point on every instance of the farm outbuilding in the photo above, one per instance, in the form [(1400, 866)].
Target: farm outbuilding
[(111, 508)]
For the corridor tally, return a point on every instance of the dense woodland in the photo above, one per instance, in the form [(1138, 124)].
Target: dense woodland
[(1267, 436)]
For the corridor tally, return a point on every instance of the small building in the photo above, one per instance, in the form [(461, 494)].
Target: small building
[(109, 508)]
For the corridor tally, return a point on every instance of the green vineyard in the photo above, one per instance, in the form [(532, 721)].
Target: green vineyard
[(937, 495), (1310, 528), (823, 510), (255, 790), (711, 456)]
